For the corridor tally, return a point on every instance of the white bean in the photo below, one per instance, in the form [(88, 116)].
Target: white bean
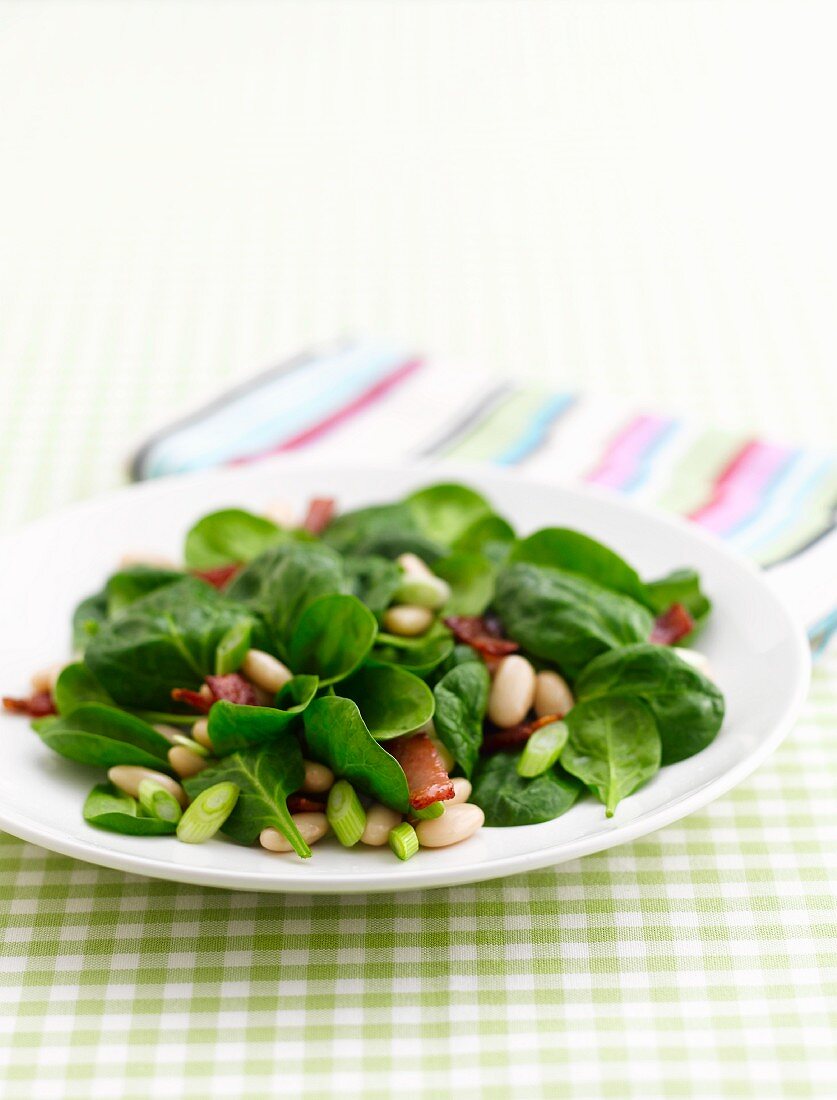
[(431, 592), (45, 679), (456, 823), (696, 660), (185, 762), (461, 791), (318, 778), (414, 566), (170, 733), (265, 671), (127, 777), (408, 621), (312, 827), (282, 512), (512, 691), (380, 821), (141, 557), (200, 733), (552, 695)]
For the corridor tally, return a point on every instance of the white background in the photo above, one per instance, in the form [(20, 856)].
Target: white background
[(637, 197)]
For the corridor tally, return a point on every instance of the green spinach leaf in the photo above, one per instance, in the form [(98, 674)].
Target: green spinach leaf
[(444, 512), (162, 641), (130, 584), (281, 583), (681, 586), (565, 618), (420, 656), (573, 552), (233, 726), (490, 535), (373, 580), (265, 776), (687, 707), (110, 809), (231, 536), (613, 747), (461, 703), (508, 799), (333, 636), (76, 684), (391, 700), (471, 580), (104, 736), (337, 736), (88, 618)]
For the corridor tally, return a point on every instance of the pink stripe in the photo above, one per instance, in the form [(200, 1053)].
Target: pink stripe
[(739, 487), (621, 459), (357, 405)]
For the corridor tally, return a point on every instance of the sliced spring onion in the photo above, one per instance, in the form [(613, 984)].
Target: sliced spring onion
[(232, 649), (435, 809), (207, 813), (158, 802), (189, 743), (345, 814), (404, 841), (542, 749), (430, 592)]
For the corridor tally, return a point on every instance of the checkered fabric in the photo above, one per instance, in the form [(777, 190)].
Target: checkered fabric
[(188, 193)]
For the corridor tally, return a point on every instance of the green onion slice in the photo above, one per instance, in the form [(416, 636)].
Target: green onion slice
[(158, 802), (542, 750), (345, 814), (207, 813), (404, 841)]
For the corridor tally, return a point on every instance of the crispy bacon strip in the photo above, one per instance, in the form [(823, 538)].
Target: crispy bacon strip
[(319, 515), (672, 625), (426, 776), (39, 705), (499, 740), (232, 687), (481, 634), (219, 577), (300, 804)]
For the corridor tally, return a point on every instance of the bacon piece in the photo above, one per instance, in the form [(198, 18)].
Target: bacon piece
[(481, 635), (234, 688), (498, 740), (192, 699), (426, 776), (38, 705), (319, 515), (300, 804), (672, 625), (219, 577)]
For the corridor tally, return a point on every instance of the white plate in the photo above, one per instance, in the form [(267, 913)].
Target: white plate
[(759, 654)]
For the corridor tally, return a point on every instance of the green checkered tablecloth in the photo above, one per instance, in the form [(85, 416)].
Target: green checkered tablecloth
[(190, 192)]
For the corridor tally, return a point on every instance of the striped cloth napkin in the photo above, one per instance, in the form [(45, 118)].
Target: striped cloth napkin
[(774, 503)]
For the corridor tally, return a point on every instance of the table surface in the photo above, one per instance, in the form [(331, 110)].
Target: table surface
[(632, 198)]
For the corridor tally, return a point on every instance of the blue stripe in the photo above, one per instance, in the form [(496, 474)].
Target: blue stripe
[(646, 462), (795, 508), (536, 431)]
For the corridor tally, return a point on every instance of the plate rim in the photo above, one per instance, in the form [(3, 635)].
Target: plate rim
[(407, 879)]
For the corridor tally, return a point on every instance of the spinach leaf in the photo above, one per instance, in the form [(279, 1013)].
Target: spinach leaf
[(76, 684), (461, 654), (265, 776), (129, 584), (681, 586), (471, 580), (613, 747), (96, 734), (565, 618), (108, 808), (687, 707), (507, 799), (461, 703), (233, 647), (337, 736), (391, 701), (230, 536), (233, 726), (444, 512), (162, 641), (364, 529), (490, 535), (572, 552), (417, 655), (88, 618), (283, 581), (373, 579), (333, 636)]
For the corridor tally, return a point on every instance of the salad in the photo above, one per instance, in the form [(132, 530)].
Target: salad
[(398, 675)]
